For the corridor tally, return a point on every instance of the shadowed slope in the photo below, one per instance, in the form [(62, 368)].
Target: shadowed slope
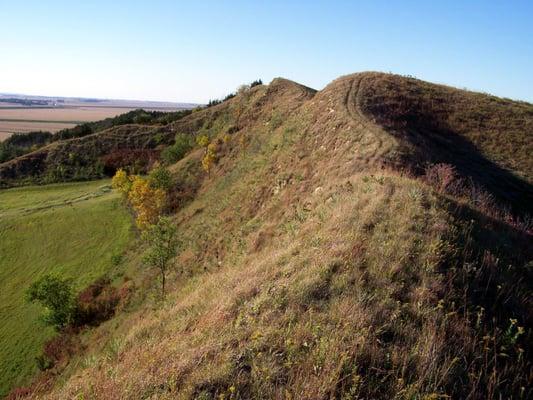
[(486, 138)]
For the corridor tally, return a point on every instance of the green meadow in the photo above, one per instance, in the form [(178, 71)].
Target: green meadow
[(72, 230)]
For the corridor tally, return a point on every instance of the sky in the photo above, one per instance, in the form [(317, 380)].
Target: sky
[(193, 51)]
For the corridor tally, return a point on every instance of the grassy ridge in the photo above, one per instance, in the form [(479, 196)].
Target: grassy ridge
[(308, 273), (68, 229), (310, 268)]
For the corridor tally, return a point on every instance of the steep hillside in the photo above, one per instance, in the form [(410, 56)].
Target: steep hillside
[(318, 262)]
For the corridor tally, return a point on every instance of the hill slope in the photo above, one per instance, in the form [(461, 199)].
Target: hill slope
[(316, 264)]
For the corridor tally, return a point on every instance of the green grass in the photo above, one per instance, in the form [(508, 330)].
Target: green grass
[(68, 229)]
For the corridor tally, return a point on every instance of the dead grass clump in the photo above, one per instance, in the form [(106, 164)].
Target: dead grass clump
[(443, 177)]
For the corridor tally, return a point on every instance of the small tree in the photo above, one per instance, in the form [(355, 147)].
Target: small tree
[(163, 243), (57, 296), (209, 158), (147, 202)]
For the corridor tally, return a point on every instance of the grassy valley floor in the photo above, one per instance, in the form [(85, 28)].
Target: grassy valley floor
[(72, 230)]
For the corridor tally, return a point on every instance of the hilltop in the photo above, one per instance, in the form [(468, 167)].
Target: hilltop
[(368, 240)]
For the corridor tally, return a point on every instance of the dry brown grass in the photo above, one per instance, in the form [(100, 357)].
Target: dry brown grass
[(342, 300)]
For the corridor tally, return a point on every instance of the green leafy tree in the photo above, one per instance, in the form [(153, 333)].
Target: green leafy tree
[(163, 242), (57, 296)]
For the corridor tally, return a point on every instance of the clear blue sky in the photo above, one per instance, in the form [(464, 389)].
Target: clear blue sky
[(197, 50)]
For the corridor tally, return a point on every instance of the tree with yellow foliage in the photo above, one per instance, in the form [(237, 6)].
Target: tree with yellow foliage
[(146, 199), (203, 141), (209, 157), (122, 182), (147, 202)]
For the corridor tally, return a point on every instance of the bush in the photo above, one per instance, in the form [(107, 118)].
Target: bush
[(202, 141), (229, 96), (97, 303), (122, 182), (243, 89), (163, 242), (147, 197), (182, 145), (43, 362), (210, 157), (160, 178), (58, 348), (214, 102)]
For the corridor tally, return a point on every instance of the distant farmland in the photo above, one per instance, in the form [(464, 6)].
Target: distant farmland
[(26, 119), (54, 114)]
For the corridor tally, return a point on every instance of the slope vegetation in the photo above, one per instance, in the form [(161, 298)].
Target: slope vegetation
[(317, 262)]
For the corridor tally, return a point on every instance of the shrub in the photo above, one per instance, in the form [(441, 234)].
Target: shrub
[(202, 141), (178, 150), (116, 259), (56, 295), (229, 96), (147, 197), (213, 102), (243, 89), (97, 303), (43, 362), (160, 178), (22, 143), (58, 348)]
